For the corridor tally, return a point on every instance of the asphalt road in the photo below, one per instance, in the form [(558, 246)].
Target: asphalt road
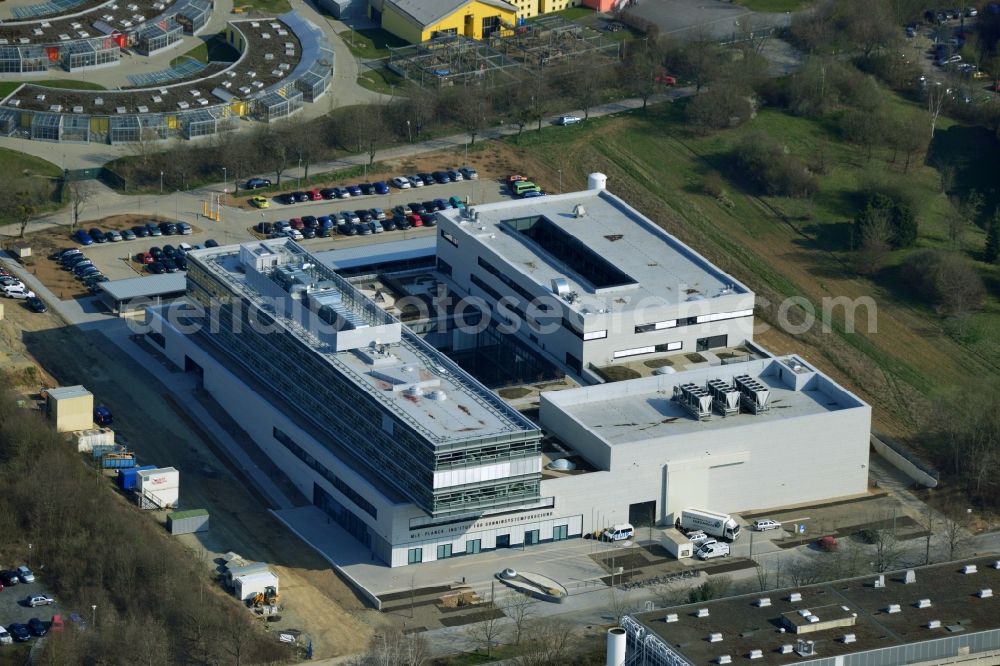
[(13, 608)]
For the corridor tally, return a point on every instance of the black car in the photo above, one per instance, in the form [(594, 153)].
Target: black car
[(329, 193), (36, 304), (348, 229), (211, 242), (19, 631), (389, 225), (169, 251), (364, 215), (301, 197), (156, 268), (254, 183), (286, 198), (59, 255), (153, 229), (430, 207), (70, 263), (367, 188), (310, 221), (402, 223), (323, 232), (182, 262), (427, 178), (156, 252), (264, 227), (417, 208), (441, 177), (37, 627), (97, 235), (428, 220), (8, 577), (140, 231), (168, 228), (308, 233), (169, 265)]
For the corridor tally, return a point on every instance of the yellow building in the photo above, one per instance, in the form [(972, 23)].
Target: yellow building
[(419, 20), (71, 408)]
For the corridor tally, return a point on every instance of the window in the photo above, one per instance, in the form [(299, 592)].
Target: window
[(595, 335), (656, 326), (485, 287), (473, 546), (574, 362), (711, 342), (560, 532), (634, 352), (530, 537), (444, 551), (448, 237), (670, 346), (415, 556), (444, 266)]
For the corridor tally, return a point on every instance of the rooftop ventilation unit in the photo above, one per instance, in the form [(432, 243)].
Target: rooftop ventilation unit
[(695, 400), (437, 395), (702, 612), (910, 577), (672, 617), (563, 465), (795, 596), (934, 624), (996, 565), (879, 582), (560, 287), (849, 638), (715, 638), (413, 392), (725, 398), (579, 211), (805, 648), (785, 649), (755, 396), (763, 602), (756, 654), (725, 659), (893, 608), (985, 593), (923, 603), (969, 569)]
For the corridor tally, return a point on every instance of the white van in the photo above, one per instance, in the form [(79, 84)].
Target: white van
[(712, 549), (618, 532), (17, 291)]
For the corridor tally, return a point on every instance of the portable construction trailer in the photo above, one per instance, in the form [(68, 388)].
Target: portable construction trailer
[(677, 544), (187, 522), (249, 585), (71, 408)]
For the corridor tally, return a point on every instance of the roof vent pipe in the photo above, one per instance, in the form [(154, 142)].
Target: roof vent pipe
[(597, 181)]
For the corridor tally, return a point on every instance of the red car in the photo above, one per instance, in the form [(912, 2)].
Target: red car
[(297, 223), (666, 79), (827, 544), (145, 258), (315, 195), (415, 220)]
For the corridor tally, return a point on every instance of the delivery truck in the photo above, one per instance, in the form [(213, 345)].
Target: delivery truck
[(719, 525)]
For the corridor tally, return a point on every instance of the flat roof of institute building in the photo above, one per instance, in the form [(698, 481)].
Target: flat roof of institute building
[(641, 409), (603, 248)]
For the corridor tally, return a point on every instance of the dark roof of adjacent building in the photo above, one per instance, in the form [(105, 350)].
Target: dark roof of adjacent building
[(874, 617)]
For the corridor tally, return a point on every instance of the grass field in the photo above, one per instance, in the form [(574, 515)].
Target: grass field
[(381, 81), (13, 163), (897, 357), (269, 6), (371, 43), (7, 87), (773, 5)]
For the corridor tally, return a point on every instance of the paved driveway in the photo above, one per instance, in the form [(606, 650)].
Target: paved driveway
[(690, 18)]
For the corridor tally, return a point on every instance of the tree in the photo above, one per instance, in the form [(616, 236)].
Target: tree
[(992, 250), (638, 72), (956, 532), (875, 242), (519, 607), (25, 202), (618, 603), (699, 61), (273, 149), (908, 136), (586, 84), (79, 195), (881, 534), (720, 107), (392, 647), (946, 280), (965, 211), (371, 127), (937, 96), (472, 110), (487, 633), (898, 213), (546, 641)]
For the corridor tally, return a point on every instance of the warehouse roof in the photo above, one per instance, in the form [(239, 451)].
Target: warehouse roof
[(66, 392), (151, 286), (646, 408), (371, 254), (872, 618), (607, 255)]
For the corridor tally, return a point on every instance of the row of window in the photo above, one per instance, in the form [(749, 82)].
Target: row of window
[(691, 321), (495, 272), (323, 471), (651, 349), (473, 546)]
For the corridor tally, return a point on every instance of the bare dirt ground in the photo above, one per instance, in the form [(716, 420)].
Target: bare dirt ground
[(316, 600)]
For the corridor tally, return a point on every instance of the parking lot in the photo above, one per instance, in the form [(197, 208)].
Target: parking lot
[(14, 609)]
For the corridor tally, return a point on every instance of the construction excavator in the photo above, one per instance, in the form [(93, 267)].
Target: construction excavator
[(266, 603)]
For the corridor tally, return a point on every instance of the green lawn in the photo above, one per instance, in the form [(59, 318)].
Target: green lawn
[(371, 43), (573, 13), (271, 6), (215, 48), (13, 163), (381, 81), (773, 5), (7, 87), (785, 247)]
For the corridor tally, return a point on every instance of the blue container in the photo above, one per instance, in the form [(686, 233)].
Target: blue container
[(100, 449), (118, 461), (128, 478)]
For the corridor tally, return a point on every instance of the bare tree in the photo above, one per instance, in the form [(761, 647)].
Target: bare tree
[(618, 604), (238, 638), (965, 211), (955, 532), (79, 195), (547, 641), (937, 96), (27, 194), (882, 535), (519, 607), (487, 633), (875, 242), (763, 575), (394, 648), (638, 72)]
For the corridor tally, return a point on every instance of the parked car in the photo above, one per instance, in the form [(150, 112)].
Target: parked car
[(402, 223), (401, 182), (354, 190), (19, 631), (441, 177), (211, 242), (153, 229), (258, 201), (83, 238), (430, 206), (5, 638), (469, 173), (441, 204), (9, 577), (698, 537), (87, 272), (827, 544), (378, 214), (36, 304), (455, 175), (128, 235), (389, 224), (37, 627), (184, 229), (428, 219), (426, 178), (156, 268), (328, 193), (530, 194), (325, 221), (17, 291), (366, 188), (380, 187), (415, 181), (167, 228), (415, 220), (323, 232), (78, 621), (308, 232), (254, 183), (39, 600), (97, 235), (766, 524), (310, 221), (456, 202), (56, 625), (949, 60), (341, 192), (347, 229), (315, 195), (64, 253), (113, 236), (708, 551), (301, 197), (103, 416), (417, 207), (568, 120), (402, 209)]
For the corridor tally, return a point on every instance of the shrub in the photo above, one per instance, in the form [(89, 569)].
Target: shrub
[(944, 279), (713, 184), (720, 107), (766, 164), (902, 221)]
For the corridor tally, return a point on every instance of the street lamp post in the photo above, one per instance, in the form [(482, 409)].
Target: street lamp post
[(29, 555), (560, 181), (161, 182), (409, 134), (93, 615), (177, 216), (225, 184)]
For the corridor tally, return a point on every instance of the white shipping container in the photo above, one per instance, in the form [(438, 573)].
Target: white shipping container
[(250, 584), (158, 479), (86, 440), (165, 498)]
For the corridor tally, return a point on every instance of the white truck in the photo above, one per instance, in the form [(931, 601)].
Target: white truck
[(720, 525)]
